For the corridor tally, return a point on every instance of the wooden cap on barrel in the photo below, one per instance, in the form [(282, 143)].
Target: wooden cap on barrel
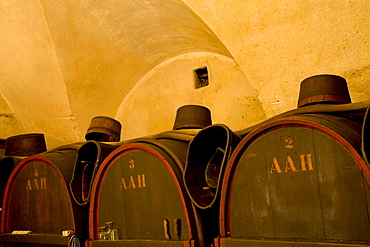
[(324, 89), (104, 129), (192, 117), (25, 145)]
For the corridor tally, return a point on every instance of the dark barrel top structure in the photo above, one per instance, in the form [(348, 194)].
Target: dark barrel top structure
[(323, 89), (299, 179), (104, 129)]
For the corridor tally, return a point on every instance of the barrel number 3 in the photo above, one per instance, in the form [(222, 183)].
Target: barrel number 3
[(133, 182)]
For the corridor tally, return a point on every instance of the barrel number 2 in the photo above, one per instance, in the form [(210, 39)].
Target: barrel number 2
[(305, 160)]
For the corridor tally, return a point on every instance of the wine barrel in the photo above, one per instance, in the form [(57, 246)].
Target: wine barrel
[(16, 148), (138, 197), (298, 180), (138, 194), (37, 200)]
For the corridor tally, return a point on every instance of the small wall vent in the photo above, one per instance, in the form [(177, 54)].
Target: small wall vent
[(201, 77)]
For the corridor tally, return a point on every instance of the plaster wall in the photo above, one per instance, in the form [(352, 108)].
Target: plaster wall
[(151, 106), (30, 79), (62, 62), (280, 43)]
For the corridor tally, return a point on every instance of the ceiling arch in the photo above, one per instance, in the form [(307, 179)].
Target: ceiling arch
[(68, 61)]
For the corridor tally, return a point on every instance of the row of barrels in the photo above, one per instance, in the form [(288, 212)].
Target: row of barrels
[(300, 178)]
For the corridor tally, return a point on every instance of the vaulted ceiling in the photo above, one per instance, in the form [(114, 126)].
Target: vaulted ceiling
[(62, 62)]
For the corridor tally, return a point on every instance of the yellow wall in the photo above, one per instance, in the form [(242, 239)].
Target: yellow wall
[(62, 62)]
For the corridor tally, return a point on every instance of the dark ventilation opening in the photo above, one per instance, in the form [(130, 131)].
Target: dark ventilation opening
[(201, 77)]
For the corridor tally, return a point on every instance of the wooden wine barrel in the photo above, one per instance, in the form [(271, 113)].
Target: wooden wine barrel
[(138, 196), (37, 199), (13, 150), (47, 193), (298, 180)]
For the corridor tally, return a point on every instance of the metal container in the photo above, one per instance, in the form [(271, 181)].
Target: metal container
[(298, 180), (331, 89)]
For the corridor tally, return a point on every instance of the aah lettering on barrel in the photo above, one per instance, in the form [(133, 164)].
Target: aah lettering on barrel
[(133, 182), (37, 183), (305, 163)]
